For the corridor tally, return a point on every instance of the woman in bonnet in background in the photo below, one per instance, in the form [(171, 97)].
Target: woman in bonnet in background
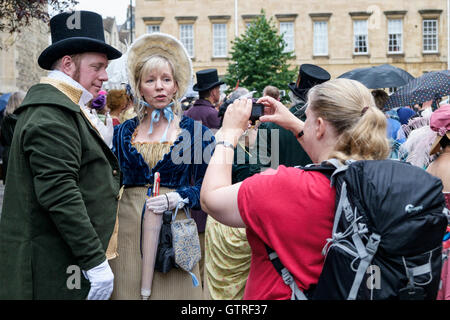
[(159, 71)]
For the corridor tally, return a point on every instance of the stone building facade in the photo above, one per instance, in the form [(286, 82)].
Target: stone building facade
[(335, 34), (113, 36), (18, 60)]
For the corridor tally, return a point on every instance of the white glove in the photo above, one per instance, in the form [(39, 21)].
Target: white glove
[(106, 130), (109, 125), (102, 281), (168, 201)]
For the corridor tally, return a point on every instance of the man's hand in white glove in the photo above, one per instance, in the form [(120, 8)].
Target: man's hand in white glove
[(106, 130), (109, 132), (102, 281), (168, 201)]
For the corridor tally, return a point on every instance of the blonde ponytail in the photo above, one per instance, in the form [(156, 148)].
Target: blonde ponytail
[(349, 107)]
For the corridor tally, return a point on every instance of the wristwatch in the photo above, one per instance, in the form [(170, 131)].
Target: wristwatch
[(225, 144)]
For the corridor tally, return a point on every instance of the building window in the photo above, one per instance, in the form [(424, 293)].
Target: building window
[(320, 38), (153, 28), (360, 34), (187, 38), (430, 35), (219, 40), (287, 31), (395, 35)]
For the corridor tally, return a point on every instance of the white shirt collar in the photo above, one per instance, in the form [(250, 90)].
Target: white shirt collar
[(86, 96)]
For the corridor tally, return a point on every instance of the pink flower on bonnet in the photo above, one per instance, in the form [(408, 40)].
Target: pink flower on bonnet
[(440, 122)]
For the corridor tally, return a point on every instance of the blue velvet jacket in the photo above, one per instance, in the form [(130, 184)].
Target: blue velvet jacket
[(182, 168)]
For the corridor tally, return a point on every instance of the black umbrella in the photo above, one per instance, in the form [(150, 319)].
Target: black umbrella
[(430, 86), (382, 76)]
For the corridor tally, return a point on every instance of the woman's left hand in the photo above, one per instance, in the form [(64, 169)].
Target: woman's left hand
[(168, 201), (235, 120)]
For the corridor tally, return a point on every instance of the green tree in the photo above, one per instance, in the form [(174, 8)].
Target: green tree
[(258, 60)]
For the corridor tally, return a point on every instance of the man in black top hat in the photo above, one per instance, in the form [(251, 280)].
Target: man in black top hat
[(208, 87), (60, 201), (290, 152)]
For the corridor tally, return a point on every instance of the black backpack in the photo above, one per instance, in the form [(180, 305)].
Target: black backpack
[(387, 235)]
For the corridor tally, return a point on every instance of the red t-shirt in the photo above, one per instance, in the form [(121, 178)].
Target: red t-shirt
[(293, 212)]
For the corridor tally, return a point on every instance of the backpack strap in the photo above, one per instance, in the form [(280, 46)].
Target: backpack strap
[(330, 168), (366, 255), (288, 279), (326, 169)]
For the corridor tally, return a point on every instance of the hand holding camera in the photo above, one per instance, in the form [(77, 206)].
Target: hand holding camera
[(235, 121), (278, 113)]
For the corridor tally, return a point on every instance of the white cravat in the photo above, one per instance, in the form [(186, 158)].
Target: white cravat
[(86, 96), (106, 131)]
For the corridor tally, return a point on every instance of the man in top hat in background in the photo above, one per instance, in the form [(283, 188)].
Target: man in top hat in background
[(208, 87), (290, 152), (60, 202)]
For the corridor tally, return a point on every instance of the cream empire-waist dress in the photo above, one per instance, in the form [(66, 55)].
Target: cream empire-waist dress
[(127, 267)]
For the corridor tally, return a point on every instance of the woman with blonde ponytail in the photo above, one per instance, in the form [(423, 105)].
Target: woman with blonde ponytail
[(349, 107), (158, 141), (289, 209)]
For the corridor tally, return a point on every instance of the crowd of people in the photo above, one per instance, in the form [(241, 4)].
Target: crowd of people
[(84, 167)]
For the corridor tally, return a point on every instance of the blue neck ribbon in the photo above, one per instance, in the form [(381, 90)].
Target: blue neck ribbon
[(156, 115)]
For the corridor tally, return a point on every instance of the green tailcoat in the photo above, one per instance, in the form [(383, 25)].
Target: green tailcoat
[(60, 200)]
